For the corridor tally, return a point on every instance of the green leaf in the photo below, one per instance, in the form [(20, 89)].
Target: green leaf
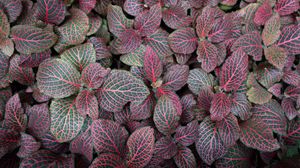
[(271, 30), (258, 95), (4, 25), (135, 58), (119, 88), (57, 78), (80, 56), (66, 122)]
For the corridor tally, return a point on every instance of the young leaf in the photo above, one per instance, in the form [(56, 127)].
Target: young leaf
[(73, 31), (13, 8), (229, 130), (93, 75), (220, 106), (176, 77), (134, 7), (263, 13), (105, 160), (204, 99), (272, 115), (185, 158), (165, 147), (165, 115), (128, 41), (141, 111), (176, 17), (87, 104), (117, 21), (234, 71), (290, 39), (87, 5), (271, 31), (186, 135), (14, 114), (148, 21), (199, 79), (30, 39), (258, 136), (80, 56), (276, 56), (102, 51), (39, 120), (288, 106), (209, 145), (108, 137), (241, 106), (205, 21), (28, 146), (135, 58), (51, 11), (66, 121), (158, 41), (23, 75), (153, 66), (258, 95), (207, 55), (119, 88), (4, 64), (57, 78), (34, 59), (140, 147), (220, 30), (286, 7), (183, 41), (250, 43)]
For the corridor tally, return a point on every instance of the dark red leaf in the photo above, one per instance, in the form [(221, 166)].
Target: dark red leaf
[(51, 11), (152, 65), (205, 98), (23, 75), (209, 145), (144, 110), (102, 51), (220, 106), (293, 132), (9, 140), (289, 39), (50, 143), (87, 104), (93, 75), (183, 41), (263, 13), (291, 77), (186, 135), (176, 17), (234, 71), (188, 104), (220, 30), (28, 146), (39, 120), (185, 158), (4, 64), (288, 106), (105, 160), (34, 59), (165, 147), (199, 79), (87, 5), (241, 106), (229, 130), (286, 7), (128, 41), (134, 7), (13, 8), (207, 55), (176, 77)]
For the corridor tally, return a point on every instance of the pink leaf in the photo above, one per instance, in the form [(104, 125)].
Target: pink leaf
[(152, 65), (241, 106), (51, 11), (220, 106), (144, 110), (176, 77), (205, 98), (288, 106), (176, 17), (28, 146), (186, 135), (207, 55), (134, 7), (183, 41), (87, 104), (128, 41), (93, 75), (185, 157), (263, 13), (102, 51), (87, 5), (39, 120), (108, 160), (286, 7), (23, 75), (13, 8), (220, 30), (229, 130), (158, 41), (165, 147), (289, 39), (35, 59)]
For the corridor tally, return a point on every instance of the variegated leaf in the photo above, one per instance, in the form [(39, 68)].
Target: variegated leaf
[(23, 75), (183, 41), (286, 7), (93, 75), (158, 41), (276, 56), (29, 145), (185, 158), (39, 120), (207, 55), (87, 104), (220, 106), (289, 39), (135, 58), (198, 79), (176, 77), (271, 31), (229, 130), (51, 11), (13, 8)]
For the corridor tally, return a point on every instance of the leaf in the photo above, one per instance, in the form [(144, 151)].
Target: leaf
[(258, 136), (135, 58), (205, 97), (7, 46), (117, 21), (9, 140), (220, 106), (4, 25), (263, 13), (237, 156), (209, 145), (205, 21), (95, 23), (4, 64), (87, 5), (93, 75), (241, 106), (102, 51), (152, 65), (183, 41), (271, 31), (66, 121), (148, 21), (272, 115), (186, 135), (207, 55), (28, 146), (289, 39), (229, 130), (176, 17), (80, 56), (293, 132), (14, 114), (144, 110), (250, 43), (128, 41), (258, 95), (134, 7), (105, 160), (276, 56), (119, 88), (291, 77), (220, 30), (51, 11), (176, 77), (39, 120), (267, 75), (30, 39), (276, 89), (13, 8), (199, 79), (108, 137), (73, 31), (158, 41), (34, 59), (49, 142), (288, 106), (165, 115), (140, 147), (165, 147), (57, 78), (87, 104), (185, 158), (23, 75), (182, 58), (234, 71), (286, 7)]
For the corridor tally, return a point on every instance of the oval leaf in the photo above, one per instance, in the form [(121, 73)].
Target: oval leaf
[(220, 106), (229, 130), (93, 75), (28, 146), (176, 77), (39, 120), (87, 104), (165, 148), (276, 56), (183, 41), (51, 11), (199, 79), (286, 7), (13, 8), (186, 135), (185, 158), (289, 39), (207, 55), (105, 160), (271, 31)]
